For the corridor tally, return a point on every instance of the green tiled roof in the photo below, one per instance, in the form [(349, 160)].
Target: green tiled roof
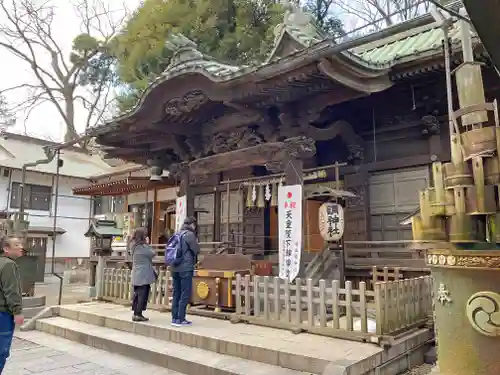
[(188, 59), (298, 26), (411, 43)]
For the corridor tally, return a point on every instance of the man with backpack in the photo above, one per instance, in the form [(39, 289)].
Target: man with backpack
[(181, 255)]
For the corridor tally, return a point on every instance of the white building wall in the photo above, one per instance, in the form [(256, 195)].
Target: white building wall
[(73, 213)]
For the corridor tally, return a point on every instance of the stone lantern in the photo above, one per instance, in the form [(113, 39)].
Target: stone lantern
[(101, 233)]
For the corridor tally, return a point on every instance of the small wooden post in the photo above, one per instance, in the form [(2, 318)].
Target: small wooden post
[(298, 301), (379, 314), (277, 297), (266, 297), (238, 294), (348, 305), (335, 304), (322, 303), (288, 317), (256, 296), (248, 303), (310, 303), (99, 287), (362, 303)]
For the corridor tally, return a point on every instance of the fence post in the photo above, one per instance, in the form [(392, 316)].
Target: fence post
[(322, 303), (298, 301), (335, 304), (238, 294), (266, 297), (248, 302), (310, 303), (379, 314), (277, 297), (288, 317), (362, 303), (348, 305), (101, 265)]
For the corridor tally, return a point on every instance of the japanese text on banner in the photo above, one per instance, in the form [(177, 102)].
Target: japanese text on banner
[(290, 230)]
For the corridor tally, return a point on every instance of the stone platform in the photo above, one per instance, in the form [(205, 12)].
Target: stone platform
[(217, 347)]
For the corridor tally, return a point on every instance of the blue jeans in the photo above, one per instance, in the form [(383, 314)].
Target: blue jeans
[(6, 333), (182, 282)]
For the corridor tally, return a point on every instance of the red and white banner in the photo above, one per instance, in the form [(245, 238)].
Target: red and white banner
[(180, 212), (290, 230)]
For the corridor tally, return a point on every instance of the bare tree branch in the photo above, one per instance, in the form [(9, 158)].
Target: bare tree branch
[(378, 14), (27, 33)]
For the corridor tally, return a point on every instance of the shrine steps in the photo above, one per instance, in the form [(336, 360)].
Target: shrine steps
[(217, 347), (32, 306)]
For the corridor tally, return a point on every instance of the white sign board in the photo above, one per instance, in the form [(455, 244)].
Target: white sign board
[(290, 230), (180, 212), (331, 221)]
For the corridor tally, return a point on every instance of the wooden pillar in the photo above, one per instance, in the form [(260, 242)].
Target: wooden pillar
[(297, 149), (217, 211), (155, 217), (185, 188)]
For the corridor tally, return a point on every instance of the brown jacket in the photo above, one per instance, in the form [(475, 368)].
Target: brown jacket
[(11, 299)]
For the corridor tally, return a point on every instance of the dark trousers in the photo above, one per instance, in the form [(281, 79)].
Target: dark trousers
[(182, 283), (140, 299), (6, 333)]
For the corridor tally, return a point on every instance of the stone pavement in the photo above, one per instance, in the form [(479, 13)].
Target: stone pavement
[(72, 293), (42, 354)]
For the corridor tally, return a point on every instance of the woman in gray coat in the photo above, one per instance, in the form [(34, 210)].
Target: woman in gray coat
[(143, 272)]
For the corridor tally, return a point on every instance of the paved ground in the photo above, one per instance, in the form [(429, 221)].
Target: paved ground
[(42, 354), (73, 293)]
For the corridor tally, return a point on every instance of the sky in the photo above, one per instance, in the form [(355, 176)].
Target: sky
[(45, 122)]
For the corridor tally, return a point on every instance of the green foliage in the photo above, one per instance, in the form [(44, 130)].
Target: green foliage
[(237, 31), (321, 10), (233, 31)]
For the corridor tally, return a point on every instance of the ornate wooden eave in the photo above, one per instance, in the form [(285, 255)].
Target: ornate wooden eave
[(122, 186), (197, 84)]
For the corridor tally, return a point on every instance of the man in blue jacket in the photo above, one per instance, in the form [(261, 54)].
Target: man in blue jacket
[(182, 275)]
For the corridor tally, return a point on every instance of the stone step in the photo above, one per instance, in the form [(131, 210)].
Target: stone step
[(30, 312), (36, 301), (185, 359), (212, 335)]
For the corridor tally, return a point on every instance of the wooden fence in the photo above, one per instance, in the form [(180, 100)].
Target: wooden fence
[(325, 309)]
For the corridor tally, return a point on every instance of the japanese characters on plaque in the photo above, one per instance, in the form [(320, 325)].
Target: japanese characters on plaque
[(180, 212), (290, 230), (331, 221)]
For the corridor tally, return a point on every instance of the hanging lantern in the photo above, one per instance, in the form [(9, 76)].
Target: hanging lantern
[(261, 203), (267, 194), (274, 196), (249, 197)]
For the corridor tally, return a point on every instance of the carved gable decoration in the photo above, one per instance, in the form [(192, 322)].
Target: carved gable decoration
[(189, 102), (297, 31)]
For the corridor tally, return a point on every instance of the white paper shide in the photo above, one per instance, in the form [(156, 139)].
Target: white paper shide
[(180, 212), (290, 230)]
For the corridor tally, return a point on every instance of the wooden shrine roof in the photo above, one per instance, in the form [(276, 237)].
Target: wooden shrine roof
[(122, 186), (197, 103)]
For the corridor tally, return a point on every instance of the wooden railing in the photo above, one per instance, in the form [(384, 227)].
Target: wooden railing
[(120, 253), (405, 255), (325, 309)]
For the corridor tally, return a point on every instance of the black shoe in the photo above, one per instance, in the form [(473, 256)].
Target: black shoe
[(139, 318)]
